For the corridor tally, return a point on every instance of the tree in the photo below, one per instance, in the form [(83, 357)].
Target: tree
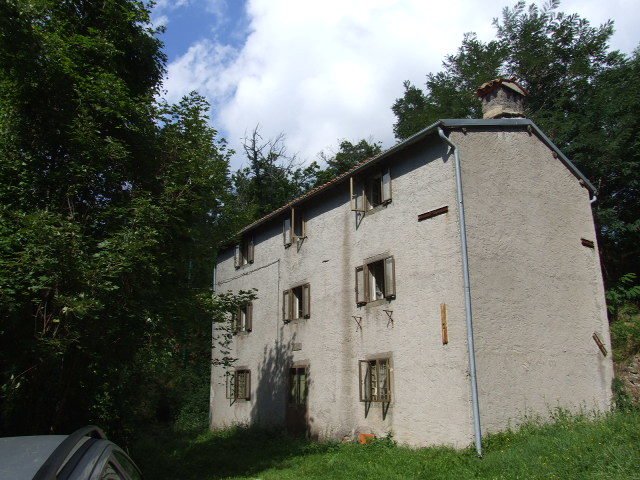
[(583, 95), (348, 156), (111, 205)]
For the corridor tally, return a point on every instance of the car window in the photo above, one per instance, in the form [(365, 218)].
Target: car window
[(127, 465), (110, 472)]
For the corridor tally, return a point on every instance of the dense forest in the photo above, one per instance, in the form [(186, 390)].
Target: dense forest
[(113, 201)]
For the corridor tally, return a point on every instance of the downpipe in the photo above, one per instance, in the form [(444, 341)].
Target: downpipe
[(467, 294)]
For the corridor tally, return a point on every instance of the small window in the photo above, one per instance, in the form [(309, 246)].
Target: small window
[(296, 303), (242, 319), (298, 386), (370, 191), (239, 385), (376, 281), (375, 380), (294, 227), (244, 252)]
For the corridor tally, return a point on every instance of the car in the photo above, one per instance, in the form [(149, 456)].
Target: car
[(86, 454)]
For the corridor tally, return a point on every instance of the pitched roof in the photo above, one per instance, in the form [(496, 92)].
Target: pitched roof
[(431, 129)]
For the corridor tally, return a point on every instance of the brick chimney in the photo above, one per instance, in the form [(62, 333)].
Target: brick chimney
[(502, 98)]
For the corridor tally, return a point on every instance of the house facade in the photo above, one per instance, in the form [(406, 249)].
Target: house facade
[(443, 289)]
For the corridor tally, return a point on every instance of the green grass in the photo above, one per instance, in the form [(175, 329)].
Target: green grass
[(605, 447)]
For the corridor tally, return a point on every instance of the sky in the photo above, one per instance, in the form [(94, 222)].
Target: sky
[(323, 71)]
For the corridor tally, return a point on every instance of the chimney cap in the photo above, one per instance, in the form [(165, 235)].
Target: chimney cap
[(510, 83)]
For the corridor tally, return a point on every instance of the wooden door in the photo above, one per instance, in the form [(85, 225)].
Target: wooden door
[(297, 404)]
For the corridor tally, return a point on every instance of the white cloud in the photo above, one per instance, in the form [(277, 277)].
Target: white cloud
[(320, 71)]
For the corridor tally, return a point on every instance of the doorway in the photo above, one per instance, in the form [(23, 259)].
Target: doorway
[(297, 404)]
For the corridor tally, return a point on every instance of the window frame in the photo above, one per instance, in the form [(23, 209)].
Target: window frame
[(244, 312), (244, 252), (294, 396), (232, 384), (290, 224), (361, 190), (366, 384), (289, 299), (363, 276)]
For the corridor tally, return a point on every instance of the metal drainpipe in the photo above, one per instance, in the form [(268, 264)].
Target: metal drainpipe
[(467, 294)]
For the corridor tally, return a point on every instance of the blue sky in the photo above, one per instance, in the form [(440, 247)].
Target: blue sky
[(324, 71)]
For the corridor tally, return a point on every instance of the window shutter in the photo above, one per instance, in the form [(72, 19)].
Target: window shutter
[(286, 232), (250, 250), (360, 289), (237, 259), (230, 385), (389, 278), (286, 306), (293, 224), (306, 300), (355, 196), (386, 186), (365, 380), (385, 380), (236, 320), (247, 385), (249, 317)]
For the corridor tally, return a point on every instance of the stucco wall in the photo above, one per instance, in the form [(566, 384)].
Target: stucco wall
[(430, 381), (537, 291)]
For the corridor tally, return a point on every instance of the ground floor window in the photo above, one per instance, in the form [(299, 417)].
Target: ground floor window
[(375, 380), (239, 385)]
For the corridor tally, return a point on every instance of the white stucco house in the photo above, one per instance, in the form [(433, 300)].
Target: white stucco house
[(440, 290)]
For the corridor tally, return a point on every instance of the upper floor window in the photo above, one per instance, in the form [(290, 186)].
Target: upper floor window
[(294, 227), (244, 252), (376, 280), (296, 303), (242, 319), (371, 190)]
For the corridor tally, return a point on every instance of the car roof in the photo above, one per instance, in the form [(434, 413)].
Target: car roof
[(22, 457)]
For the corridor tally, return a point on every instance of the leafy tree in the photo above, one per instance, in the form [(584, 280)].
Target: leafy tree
[(348, 156), (111, 205), (584, 96)]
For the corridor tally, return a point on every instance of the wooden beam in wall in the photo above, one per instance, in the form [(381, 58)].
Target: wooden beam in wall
[(443, 323), (433, 213)]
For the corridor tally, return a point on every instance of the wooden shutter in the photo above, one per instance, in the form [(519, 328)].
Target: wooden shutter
[(306, 300), (248, 321), (236, 320), (365, 380), (386, 186), (247, 385), (361, 297), (286, 231), (237, 259), (286, 305), (230, 393), (389, 278), (250, 250), (355, 196), (384, 379)]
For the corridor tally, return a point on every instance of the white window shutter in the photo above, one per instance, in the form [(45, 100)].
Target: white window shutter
[(306, 300), (386, 186), (389, 278), (286, 231)]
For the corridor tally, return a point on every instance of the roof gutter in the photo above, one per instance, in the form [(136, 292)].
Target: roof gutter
[(467, 293)]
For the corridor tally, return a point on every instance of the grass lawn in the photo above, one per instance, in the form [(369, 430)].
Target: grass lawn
[(607, 447)]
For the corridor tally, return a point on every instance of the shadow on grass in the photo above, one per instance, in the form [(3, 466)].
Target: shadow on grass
[(240, 451)]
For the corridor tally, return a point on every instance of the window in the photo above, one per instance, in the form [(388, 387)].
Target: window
[(239, 385), (375, 380), (376, 280), (242, 319), (371, 191), (296, 303), (244, 252), (298, 386), (294, 227)]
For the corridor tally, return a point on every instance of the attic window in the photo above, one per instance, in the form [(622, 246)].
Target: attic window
[(376, 280), (244, 252), (370, 191), (294, 227)]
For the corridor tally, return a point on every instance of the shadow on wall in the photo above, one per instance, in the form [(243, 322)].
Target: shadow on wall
[(271, 391)]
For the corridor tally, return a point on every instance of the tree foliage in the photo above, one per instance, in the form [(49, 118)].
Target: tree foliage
[(348, 156), (111, 205), (580, 93)]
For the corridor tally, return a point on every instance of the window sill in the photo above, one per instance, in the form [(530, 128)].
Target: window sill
[(296, 320), (377, 208), (240, 267), (377, 303)]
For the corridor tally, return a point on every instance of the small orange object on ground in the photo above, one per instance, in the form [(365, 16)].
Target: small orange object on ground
[(365, 438)]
